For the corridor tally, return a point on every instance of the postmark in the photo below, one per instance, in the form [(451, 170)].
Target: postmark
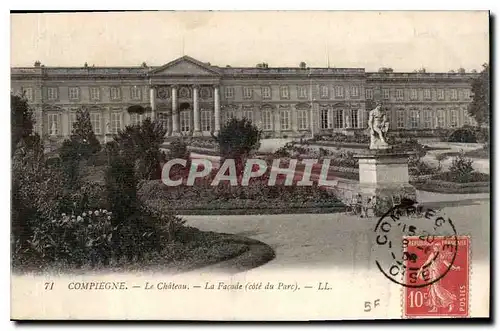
[(413, 268), (447, 297)]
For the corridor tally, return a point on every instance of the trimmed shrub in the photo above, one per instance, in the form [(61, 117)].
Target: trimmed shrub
[(445, 186), (463, 135), (237, 139), (141, 144)]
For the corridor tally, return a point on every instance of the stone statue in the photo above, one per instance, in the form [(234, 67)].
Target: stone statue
[(378, 124), (108, 131), (53, 129)]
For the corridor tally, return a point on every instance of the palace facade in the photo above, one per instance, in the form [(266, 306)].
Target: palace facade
[(195, 98)]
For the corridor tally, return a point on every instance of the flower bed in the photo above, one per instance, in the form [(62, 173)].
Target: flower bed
[(209, 143), (339, 144), (258, 197)]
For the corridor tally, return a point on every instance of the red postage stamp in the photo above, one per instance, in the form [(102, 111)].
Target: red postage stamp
[(438, 270)]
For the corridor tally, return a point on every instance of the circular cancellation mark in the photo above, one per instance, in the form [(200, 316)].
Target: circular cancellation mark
[(415, 251)]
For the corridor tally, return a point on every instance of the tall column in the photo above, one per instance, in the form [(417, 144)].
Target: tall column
[(196, 112), (175, 113), (216, 109), (152, 101)]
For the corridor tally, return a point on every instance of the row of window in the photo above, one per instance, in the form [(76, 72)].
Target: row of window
[(184, 92), (334, 119), (330, 119), (115, 93), (116, 120), (115, 124), (413, 94), (429, 119), (302, 92), (267, 118)]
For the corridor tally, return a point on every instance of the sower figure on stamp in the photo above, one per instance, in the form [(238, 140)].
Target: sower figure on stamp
[(439, 296), (378, 124)]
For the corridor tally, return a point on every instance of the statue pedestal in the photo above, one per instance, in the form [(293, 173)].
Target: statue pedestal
[(383, 174)]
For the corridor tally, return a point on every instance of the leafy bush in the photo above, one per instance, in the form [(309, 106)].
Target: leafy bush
[(75, 239), (70, 160), (237, 139), (40, 194), (461, 169), (178, 149), (463, 135), (98, 159), (22, 120), (141, 143), (483, 135)]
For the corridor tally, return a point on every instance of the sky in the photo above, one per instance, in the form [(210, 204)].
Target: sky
[(404, 41)]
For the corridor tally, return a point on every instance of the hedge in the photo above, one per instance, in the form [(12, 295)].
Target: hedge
[(441, 186)]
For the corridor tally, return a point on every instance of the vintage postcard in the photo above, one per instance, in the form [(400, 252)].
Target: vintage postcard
[(250, 166)]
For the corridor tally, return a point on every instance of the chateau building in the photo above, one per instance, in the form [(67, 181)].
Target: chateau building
[(195, 98)]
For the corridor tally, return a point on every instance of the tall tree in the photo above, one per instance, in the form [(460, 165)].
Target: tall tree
[(479, 108), (22, 121), (83, 133)]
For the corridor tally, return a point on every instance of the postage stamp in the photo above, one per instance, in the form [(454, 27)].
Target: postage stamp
[(444, 270)]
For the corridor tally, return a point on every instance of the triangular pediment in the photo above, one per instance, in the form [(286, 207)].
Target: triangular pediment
[(185, 66)]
